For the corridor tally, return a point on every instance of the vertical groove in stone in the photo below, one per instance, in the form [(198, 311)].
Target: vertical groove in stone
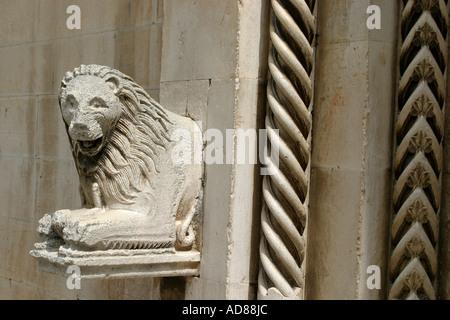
[(418, 156), (285, 191)]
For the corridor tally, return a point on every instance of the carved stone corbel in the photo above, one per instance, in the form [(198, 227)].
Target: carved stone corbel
[(139, 203)]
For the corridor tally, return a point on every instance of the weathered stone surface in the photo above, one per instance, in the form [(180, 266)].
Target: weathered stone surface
[(119, 263), (285, 192), (135, 193), (418, 156), (214, 67), (351, 154), (212, 55), (38, 174)]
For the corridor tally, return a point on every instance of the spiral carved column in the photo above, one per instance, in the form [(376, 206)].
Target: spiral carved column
[(285, 191), (418, 155)]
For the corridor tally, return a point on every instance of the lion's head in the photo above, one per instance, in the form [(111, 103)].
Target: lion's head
[(115, 128)]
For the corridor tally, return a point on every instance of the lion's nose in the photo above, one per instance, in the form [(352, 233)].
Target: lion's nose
[(78, 131), (84, 131)]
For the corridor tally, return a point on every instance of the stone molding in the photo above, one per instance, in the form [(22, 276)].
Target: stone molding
[(285, 192), (418, 155)]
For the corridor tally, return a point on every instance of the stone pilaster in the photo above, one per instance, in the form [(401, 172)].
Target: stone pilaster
[(418, 159), (350, 194)]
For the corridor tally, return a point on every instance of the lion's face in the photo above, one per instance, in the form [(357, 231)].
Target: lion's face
[(91, 109)]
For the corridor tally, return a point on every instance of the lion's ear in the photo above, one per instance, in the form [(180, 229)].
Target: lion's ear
[(115, 84)]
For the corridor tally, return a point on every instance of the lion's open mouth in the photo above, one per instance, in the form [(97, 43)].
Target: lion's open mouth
[(91, 147)]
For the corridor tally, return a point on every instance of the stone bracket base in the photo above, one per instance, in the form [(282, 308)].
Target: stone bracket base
[(275, 294), (123, 263)]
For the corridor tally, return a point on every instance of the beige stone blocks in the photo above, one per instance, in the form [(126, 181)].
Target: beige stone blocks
[(198, 42), (36, 166), (340, 147), (26, 69), (332, 240), (138, 52), (3, 246), (18, 126), (56, 187), (72, 52), (221, 117), (27, 282), (351, 150), (20, 235), (18, 21), (189, 98), (19, 180), (115, 15), (205, 75), (51, 138)]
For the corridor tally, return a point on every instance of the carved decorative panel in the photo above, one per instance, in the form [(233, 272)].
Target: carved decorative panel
[(418, 155), (285, 191)]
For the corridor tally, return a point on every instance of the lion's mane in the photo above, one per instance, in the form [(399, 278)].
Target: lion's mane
[(132, 147)]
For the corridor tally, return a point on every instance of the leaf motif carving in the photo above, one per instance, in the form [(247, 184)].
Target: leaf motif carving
[(419, 178), (426, 5), (425, 36), (414, 281), (422, 106), (415, 247), (424, 71), (418, 154), (420, 143), (417, 213)]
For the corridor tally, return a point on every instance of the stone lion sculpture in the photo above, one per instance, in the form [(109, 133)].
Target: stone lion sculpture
[(134, 195)]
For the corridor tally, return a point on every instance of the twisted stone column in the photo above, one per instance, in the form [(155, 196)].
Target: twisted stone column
[(418, 155), (285, 192)]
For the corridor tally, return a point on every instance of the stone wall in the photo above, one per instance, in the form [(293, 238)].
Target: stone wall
[(213, 70), (210, 63), (37, 171)]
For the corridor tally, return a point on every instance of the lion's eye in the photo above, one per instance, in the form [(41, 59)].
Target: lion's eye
[(98, 103), (68, 109), (70, 104)]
